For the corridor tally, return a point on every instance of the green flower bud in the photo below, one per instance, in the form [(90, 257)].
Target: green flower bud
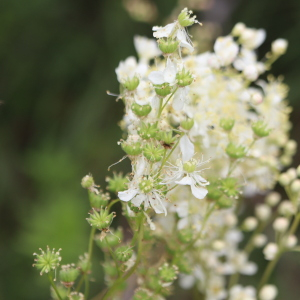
[(132, 148), (117, 184), (163, 89), (110, 269), (184, 78), (167, 273), (141, 110), (63, 292), (225, 202), (101, 220), (146, 185), (168, 45), (227, 123), (142, 294), (185, 18), (147, 131), (98, 200), (68, 274), (166, 137), (154, 283), (235, 151), (185, 235), (87, 182), (214, 192), (131, 83), (124, 253), (111, 240), (260, 129), (47, 261), (84, 264), (76, 296), (187, 124), (229, 186), (190, 166), (154, 153)]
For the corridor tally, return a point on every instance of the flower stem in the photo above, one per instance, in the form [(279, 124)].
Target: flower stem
[(54, 286), (90, 252), (113, 256), (112, 203)]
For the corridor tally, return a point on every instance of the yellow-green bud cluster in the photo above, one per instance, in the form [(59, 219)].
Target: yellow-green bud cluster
[(111, 240), (214, 192), (187, 124), (168, 46), (235, 151), (123, 253), (185, 235), (184, 78), (132, 148), (110, 269), (147, 131), (190, 166), (153, 152), (101, 220), (185, 18), (229, 186), (167, 273), (227, 123), (87, 182), (141, 110), (163, 90), (225, 202), (166, 137), (146, 185), (260, 128), (117, 184), (131, 83), (142, 294), (47, 261), (98, 200), (84, 263), (68, 274)]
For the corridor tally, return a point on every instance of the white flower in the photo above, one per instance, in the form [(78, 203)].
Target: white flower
[(216, 288), (238, 292), (279, 46), (226, 50), (252, 38), (281, 224), (168, 75), (146, 48), (142, 190), (270, 251), (268, 292)]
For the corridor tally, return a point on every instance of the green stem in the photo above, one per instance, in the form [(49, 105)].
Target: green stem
[(54, 286), (112, 203), (169, 99), (80, 283), (113, 256), (90, 252), (119, 281)]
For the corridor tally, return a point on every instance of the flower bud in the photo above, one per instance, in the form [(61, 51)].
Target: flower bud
[(238, 29), (185, 18), (163, 90), (284, 179), (287, 208), (87, 182), (68, 274), (249, 224), (281, 224), (84, 263), (185, 235), (229, 186), (291, 241), (295, 186), (98, 200), (123, 253), (101, 220), (187, 124), (110, 269), (273, 198), (147, 131), (153, 153), (117, 184), (225, 202), (76, 296), (132, 148), (141, 110), (260, 129), (290, 147), (142, 294), (218, 245), (259, 240), (47, 261), (298, 171), (291, 173), (263, 212), (227, 123), (167, 273), (112, 239), (131, 83), (184, 78), (268, 292), (168, 46), (279, 46), (166, 137), (270, 251), (285, 160), (214, 192), (235, 151)]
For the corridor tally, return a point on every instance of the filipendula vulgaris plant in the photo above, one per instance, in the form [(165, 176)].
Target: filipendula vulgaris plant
[(202, 132)]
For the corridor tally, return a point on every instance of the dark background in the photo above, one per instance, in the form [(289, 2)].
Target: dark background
[(57, 59)]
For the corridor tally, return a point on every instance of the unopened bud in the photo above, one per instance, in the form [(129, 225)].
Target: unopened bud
[(227, 124), (281, 224), (268, 292), (260, 129), (131, 83), (187, 124), (279, 46), (141, 110), (249, 224)]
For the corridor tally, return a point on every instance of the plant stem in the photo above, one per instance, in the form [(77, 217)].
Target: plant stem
[(112, 203), (54, 286), (90, 252), (113, 256)]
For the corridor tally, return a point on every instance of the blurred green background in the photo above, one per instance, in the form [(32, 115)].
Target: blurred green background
[(57, 59)]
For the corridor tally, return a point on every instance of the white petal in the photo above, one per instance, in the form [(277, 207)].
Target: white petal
[(185, 181), (187, 148), (182, 37), (178, 100), (187, 45), (155, 102), (140, 167), (199, 179), (156, 204), (138, 200), (250, 268), (156, 77), (127, 195), (170, 72), (160, 32), (198, 192)]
